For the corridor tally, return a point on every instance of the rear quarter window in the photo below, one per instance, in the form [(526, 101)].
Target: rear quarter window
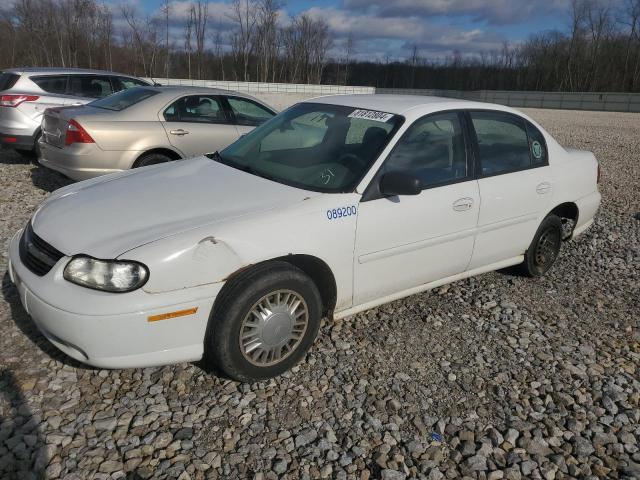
[(8, 80), (51, 83)]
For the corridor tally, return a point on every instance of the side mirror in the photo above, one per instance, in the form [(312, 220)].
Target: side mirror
[(399, 183)]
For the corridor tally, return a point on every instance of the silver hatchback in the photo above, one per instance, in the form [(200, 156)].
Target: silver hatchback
[(25, 93), (144, 126)]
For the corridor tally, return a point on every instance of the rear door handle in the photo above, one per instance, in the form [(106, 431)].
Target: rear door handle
[(463, 204), (543, 188), (178, 132)]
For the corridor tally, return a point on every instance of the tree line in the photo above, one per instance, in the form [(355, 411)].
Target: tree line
[(598, 51)]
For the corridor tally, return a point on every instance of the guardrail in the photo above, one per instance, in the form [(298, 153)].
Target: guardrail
[(258, 87), (612, 102)]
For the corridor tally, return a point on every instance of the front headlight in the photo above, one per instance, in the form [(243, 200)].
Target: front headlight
[(108, 275)]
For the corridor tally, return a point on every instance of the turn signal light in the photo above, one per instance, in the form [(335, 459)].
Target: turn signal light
[(77, 134)]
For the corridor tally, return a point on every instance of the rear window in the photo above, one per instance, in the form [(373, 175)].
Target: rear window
[(124, 99), (8, 80), (51, 83)]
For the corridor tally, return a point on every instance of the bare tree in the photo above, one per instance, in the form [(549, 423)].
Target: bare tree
[(244, 16)]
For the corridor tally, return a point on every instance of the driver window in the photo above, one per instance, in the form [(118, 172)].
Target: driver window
[(196, 109), (432, 149)]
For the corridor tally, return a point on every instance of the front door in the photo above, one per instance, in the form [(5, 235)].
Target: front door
[(198, 124), (404, 242)]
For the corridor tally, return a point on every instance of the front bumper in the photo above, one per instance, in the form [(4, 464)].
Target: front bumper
[(112, 330), (84, 161)]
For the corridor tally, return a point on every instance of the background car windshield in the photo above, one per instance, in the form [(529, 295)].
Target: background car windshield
[(124, 99), (326, 148)]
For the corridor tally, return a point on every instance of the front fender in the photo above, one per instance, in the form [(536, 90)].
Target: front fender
[(183, 262)]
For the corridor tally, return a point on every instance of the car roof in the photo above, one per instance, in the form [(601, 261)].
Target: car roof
[(173, 90), (401, 104), (62, 71)]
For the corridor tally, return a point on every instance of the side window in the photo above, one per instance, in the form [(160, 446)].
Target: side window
[(502, 141), (92, 86), (51, 83), (538, 146), (433, 149), (125, 83), (248, 112), (196, 109)]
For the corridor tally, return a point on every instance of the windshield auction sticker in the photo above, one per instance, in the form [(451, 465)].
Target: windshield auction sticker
[(371, 115)]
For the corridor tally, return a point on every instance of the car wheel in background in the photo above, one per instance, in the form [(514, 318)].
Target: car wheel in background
[(264, 322), (545, 247), (151, 159), (34, 153)]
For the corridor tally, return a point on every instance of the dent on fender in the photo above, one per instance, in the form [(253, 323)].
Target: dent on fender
[(208, 262)]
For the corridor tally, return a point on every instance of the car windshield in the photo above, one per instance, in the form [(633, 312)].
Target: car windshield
[(124, 99), (314, 146)]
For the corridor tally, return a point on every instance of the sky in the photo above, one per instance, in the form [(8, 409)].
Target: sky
[(390, 28)]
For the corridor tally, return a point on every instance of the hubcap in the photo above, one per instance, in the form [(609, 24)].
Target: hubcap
[(273, 328), (547, 248)]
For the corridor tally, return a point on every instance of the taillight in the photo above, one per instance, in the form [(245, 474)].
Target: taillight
[(599, 174), (15, 100), (77, 134)]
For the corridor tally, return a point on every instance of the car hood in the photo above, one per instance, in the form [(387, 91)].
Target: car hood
[(107, 216)]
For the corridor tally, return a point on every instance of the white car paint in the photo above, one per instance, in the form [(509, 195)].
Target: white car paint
[(196, 223)]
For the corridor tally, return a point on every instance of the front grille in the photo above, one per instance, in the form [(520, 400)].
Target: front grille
[(36, 254)]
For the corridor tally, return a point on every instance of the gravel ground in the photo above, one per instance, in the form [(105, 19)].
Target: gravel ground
[(489, 378)]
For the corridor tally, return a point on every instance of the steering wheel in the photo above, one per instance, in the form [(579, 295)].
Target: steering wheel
[(349, 159)]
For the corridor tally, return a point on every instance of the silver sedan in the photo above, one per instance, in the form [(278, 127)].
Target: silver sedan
[(144, 126)]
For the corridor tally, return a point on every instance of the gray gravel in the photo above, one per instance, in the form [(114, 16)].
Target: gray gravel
[(490, 378)]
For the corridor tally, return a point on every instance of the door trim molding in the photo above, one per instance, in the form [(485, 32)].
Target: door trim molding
[(431, 242)]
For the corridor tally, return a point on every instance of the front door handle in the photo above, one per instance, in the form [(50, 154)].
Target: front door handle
[(543, 188), (178, 132), (463, 204)]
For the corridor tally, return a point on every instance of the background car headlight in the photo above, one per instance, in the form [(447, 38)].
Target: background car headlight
[(107, 275)]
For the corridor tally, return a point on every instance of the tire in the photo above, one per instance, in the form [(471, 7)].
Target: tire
[(32, 154), (544, 248), (151, 159), (232, 318)]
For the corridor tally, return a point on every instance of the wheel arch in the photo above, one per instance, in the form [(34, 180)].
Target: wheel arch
[(315, 268), (567, 211), (172, 154)]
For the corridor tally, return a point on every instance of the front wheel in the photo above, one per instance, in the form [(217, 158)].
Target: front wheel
[(545, 247), (264, 323)]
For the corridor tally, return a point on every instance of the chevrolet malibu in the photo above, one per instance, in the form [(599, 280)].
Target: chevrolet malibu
[(335, 206)]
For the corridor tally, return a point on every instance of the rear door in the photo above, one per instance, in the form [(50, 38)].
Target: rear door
[(89, 87), (198, 124), (124, 83), (515, 184)]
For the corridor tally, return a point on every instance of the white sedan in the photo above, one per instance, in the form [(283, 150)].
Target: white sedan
[(335, 206)]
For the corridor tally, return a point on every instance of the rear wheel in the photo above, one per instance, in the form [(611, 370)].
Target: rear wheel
[(545, 247), (265, 322), (151, 159)]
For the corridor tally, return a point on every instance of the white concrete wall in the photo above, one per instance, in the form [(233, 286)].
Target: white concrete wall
[(278, 95)]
